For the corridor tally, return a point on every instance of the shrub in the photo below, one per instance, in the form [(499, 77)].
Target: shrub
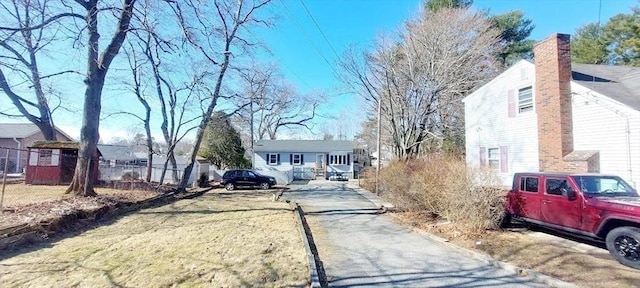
[(446, 188), (130, 176)]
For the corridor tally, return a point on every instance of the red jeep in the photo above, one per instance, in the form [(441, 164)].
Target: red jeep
[(601, 207)]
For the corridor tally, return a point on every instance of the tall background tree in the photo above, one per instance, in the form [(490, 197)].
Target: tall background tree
[(420, 80), (221, 144), (617, 42), (514, 36)]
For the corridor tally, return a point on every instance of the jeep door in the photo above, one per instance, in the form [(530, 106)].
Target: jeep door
[(527, 197), (557, 207), (249, 178)]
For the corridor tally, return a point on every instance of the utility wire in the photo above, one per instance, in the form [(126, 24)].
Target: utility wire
[(319, 29), (308, 37)]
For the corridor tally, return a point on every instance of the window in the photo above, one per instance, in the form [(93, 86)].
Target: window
[(525, 99), (494, 158), (297, 159), (273, 159), (44, 157), (529, 184), (338, 159), (555, 186)]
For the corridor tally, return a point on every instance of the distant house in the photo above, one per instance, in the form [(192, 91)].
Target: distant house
[(116, 155), (307, 159), (17, 137), (54, 162), (554, 115)]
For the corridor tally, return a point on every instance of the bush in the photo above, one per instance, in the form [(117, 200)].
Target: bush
[(130, 176), (444, 187)]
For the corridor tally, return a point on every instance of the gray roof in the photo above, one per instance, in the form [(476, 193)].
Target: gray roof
[(302, 146), (117, 152), (22, 130), (621, 83)]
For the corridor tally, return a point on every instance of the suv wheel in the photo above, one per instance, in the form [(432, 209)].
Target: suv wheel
[(264, 186), (624, 245), (229, 186)]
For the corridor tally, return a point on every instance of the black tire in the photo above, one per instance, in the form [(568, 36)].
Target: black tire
[(265, 186), (505, 220), (624, 245), (230, 186)]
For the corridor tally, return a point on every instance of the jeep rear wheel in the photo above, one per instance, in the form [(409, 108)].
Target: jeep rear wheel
[(624, 245), (229, 186)]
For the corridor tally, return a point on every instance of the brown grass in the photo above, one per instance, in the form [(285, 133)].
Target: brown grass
[(20, 193), (217, 240)]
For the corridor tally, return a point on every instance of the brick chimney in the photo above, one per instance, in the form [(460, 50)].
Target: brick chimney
[(553, 107)]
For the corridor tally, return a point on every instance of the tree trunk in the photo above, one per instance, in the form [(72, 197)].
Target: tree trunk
[(97, 67)]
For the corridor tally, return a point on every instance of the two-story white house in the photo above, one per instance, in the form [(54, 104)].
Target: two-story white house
[(554, 115), (307, 159)]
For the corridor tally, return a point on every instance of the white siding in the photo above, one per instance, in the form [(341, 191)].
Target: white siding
[(600, 123), (309, 162), (487, 122)]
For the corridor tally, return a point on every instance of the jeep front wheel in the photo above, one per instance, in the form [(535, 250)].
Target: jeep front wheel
[(624, 245), (264, 186)]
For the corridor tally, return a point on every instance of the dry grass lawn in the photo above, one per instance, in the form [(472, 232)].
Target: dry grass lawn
[(216, 240), (520, 248), (20, 193)]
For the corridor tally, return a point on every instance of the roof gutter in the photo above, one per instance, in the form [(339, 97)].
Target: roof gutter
[(18, 154)]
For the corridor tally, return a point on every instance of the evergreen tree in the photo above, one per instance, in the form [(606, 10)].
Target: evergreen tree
[(222, 145), (513, 38), (587, 46), (435, 5)]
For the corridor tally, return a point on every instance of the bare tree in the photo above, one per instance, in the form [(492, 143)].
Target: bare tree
[(420, 81), (27, 33), (271, 103), (214, 29), (98, 64)]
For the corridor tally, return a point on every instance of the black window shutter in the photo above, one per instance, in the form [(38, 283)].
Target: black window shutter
[(291, 159), (327, 160), (348, 159), (278, 158), (267, 158), (302, 159)]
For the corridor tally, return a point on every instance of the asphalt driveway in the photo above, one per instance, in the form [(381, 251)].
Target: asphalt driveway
[(361, 248)]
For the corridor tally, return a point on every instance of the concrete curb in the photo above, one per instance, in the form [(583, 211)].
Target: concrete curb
[(536, 276), (307, 239)]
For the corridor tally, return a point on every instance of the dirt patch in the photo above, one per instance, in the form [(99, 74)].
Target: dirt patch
[(519, 248), (219, 239), (32, 204)]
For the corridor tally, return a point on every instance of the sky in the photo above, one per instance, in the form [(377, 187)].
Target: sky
[(310, 35)]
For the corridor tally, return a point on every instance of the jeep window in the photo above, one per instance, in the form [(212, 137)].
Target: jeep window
[(556, 186), (529, 184), (598, 185)]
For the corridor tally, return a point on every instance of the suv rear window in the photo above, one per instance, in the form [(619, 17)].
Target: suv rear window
[(229, 174)]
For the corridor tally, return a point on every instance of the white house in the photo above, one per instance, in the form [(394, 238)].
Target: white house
[(554, 115), (307, 159)]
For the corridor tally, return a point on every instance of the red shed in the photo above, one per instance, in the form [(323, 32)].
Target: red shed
[(54, 162)]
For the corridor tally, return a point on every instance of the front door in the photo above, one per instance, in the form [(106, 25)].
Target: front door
[(319, 164), (556, 208)]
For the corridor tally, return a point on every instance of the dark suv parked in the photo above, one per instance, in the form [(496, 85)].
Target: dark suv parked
[(233, 179)]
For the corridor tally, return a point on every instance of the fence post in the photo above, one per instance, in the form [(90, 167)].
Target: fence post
[(4, 179)]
